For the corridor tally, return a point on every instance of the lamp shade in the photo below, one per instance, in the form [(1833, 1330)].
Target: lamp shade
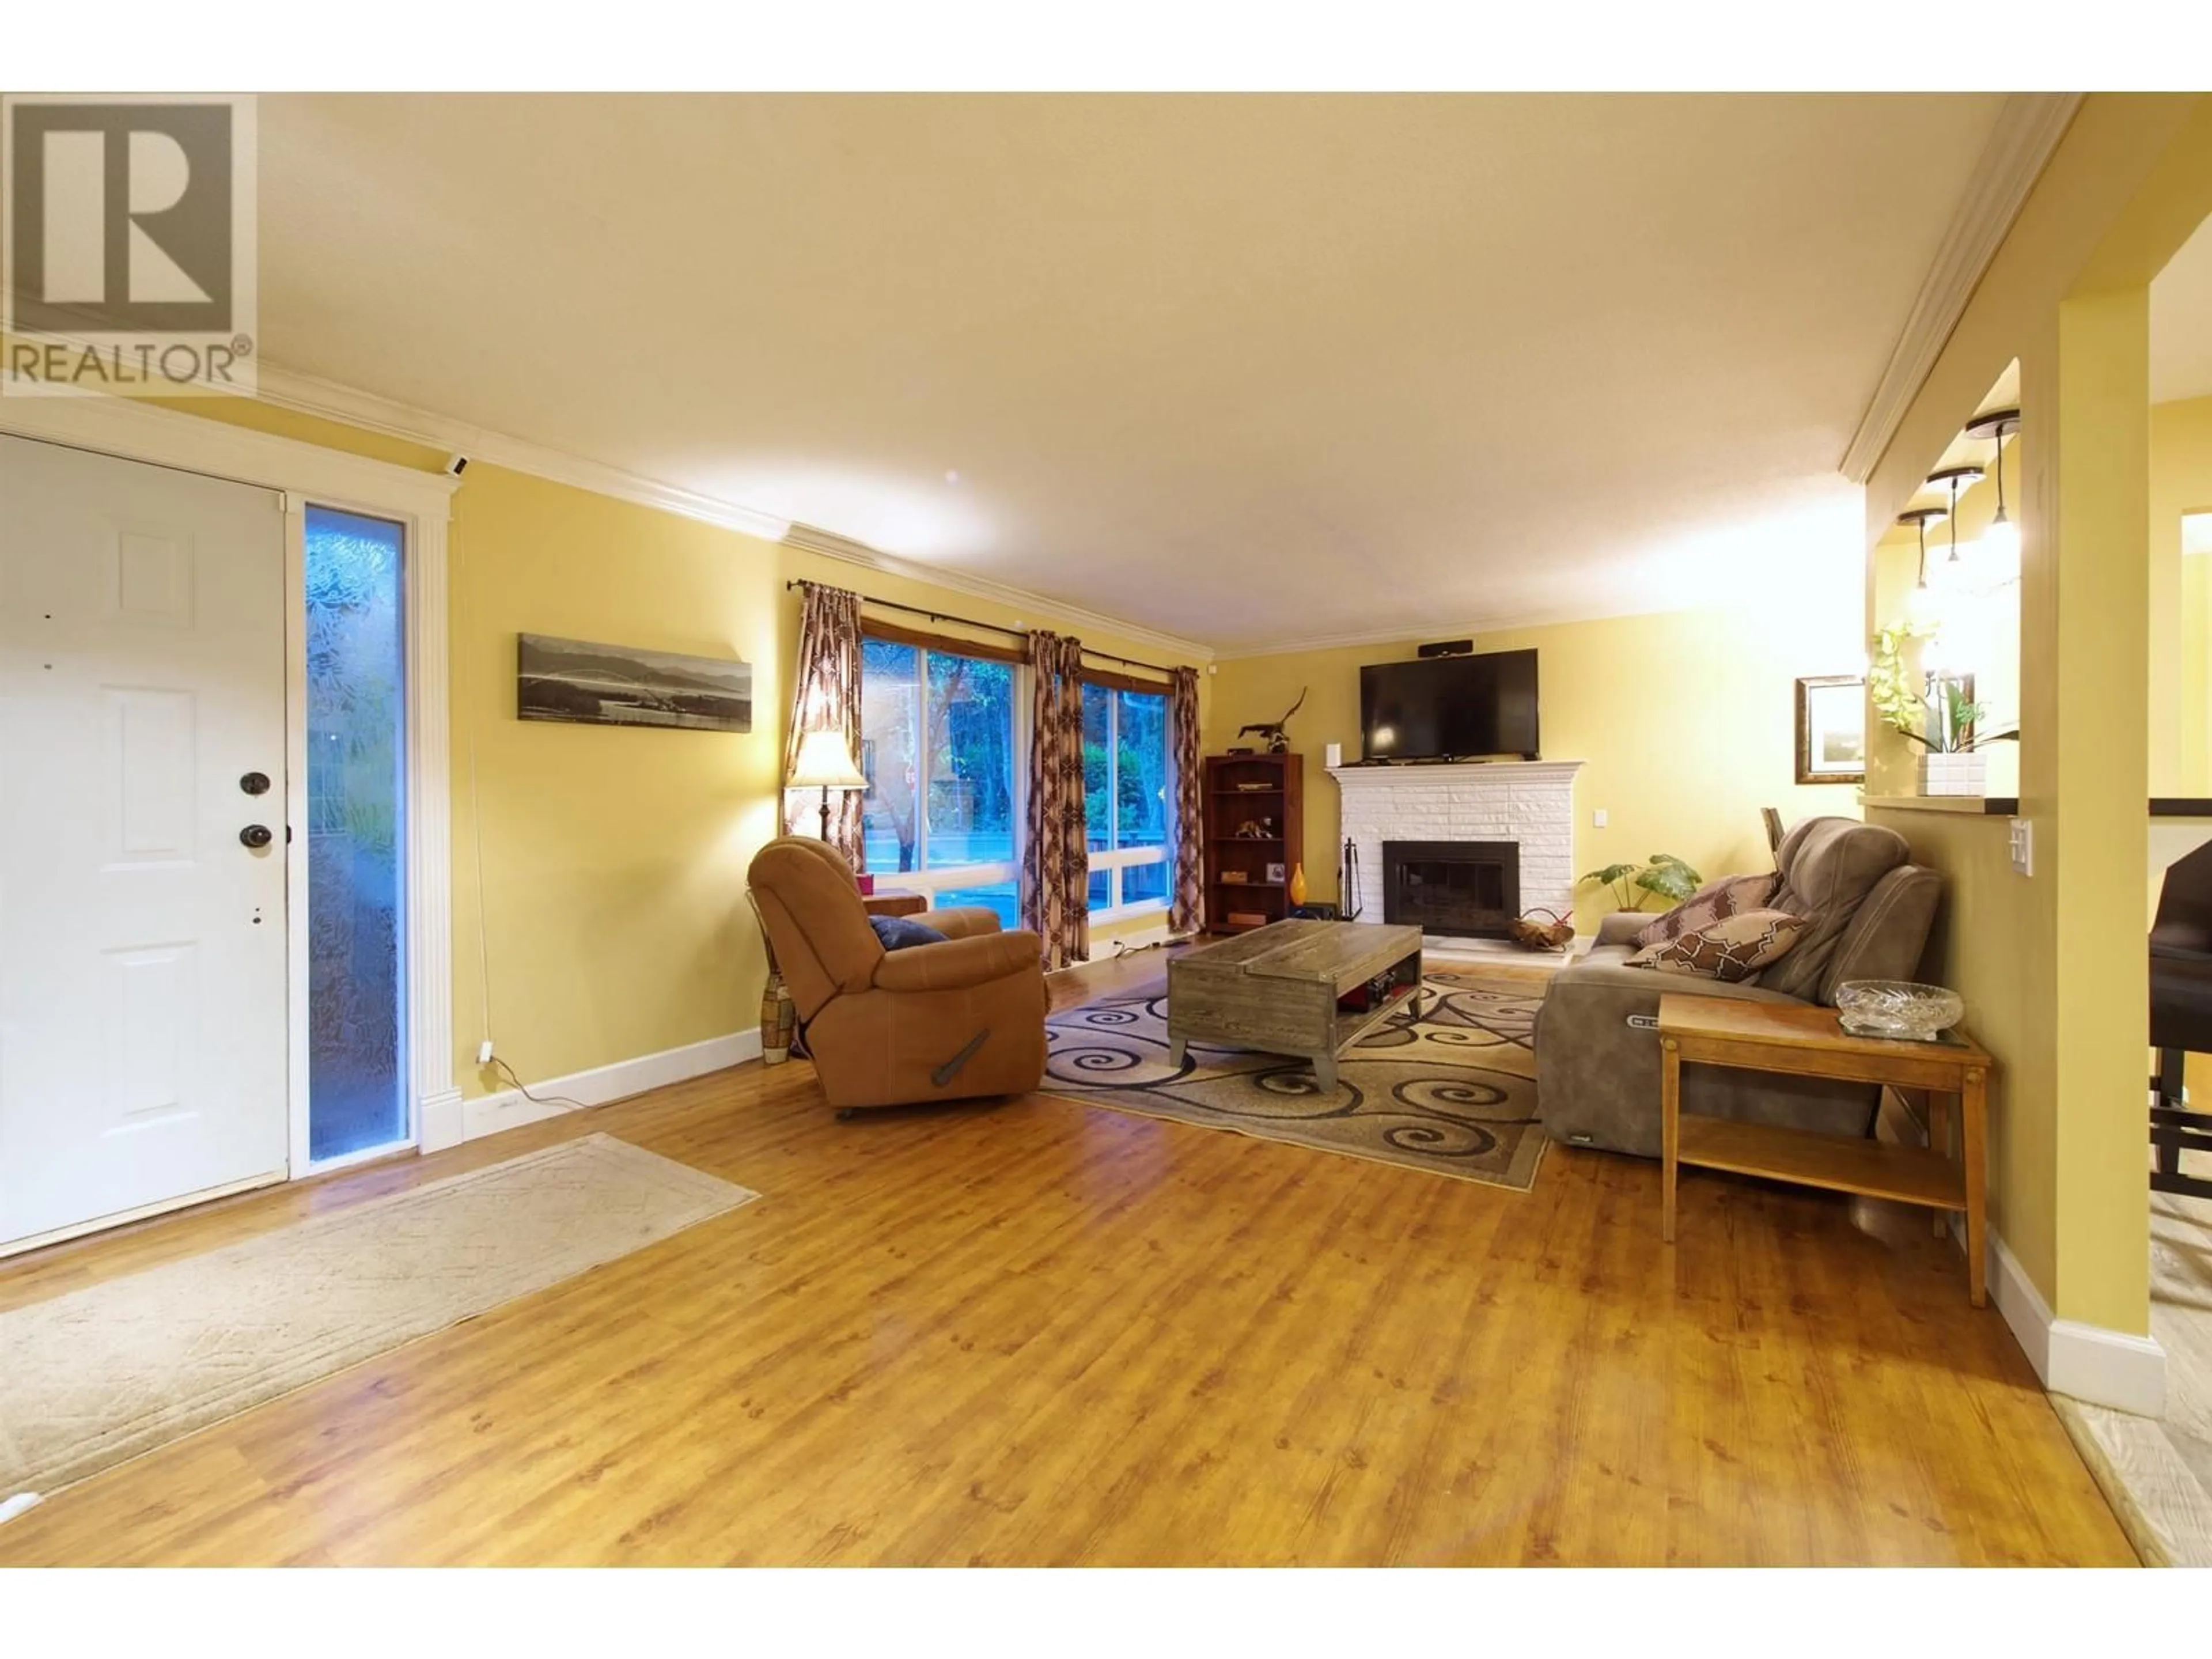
[(826, 761)]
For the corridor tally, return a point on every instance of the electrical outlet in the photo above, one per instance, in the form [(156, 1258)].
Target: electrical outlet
[(483, 1052), (1597, 818), (2022, 832)]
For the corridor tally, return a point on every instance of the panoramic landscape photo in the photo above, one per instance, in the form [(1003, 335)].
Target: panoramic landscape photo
[(617, 686)]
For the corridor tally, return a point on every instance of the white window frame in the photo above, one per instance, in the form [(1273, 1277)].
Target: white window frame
[(421, 503), (924, 881), (1116, 860)]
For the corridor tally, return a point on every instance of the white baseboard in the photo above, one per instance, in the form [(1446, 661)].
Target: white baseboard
[(2088, 1362), (1104, 950), (509, 1109), (442, 1124)]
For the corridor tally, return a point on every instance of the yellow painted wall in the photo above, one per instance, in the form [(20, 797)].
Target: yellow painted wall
[(1985, 945), (2097, 777), (2190, 773), (2181, 601), (611, 904), (1686, 721), (2062, 993)]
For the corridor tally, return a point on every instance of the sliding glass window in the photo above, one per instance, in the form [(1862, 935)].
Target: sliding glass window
[(1125, 798), (937, 747)]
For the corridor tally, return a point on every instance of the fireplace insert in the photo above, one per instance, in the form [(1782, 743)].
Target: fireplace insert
[(1467, 888)]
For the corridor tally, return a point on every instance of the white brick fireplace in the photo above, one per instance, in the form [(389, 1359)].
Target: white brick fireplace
[(1531, 803)]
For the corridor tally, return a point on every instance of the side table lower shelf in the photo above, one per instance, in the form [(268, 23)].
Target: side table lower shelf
[(1871, 1169)]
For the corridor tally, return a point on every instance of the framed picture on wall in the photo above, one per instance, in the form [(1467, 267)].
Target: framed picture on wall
[(597, 685), (1832, 729)]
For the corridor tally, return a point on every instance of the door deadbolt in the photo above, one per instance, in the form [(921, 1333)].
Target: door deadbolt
[(255, 783), (256, 836)]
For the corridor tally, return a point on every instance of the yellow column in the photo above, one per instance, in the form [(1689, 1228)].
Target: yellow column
[(2085, 626)]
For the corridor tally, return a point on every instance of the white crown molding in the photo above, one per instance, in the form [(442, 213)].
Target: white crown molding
[(2027, 130), (812, 539), (307, 394), (144, 431)]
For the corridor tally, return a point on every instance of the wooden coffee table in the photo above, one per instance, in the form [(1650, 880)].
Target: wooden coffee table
[(1275, 990), (1811, 1041)]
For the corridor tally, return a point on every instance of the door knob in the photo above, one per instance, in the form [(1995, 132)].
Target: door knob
[(255, 783), (256, 834)]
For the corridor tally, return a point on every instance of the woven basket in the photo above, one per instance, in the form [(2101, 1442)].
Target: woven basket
[(1553, 934)]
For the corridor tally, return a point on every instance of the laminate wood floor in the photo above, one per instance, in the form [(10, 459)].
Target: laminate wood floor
[(1038, 1331)]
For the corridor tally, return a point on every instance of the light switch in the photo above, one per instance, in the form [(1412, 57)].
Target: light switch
[(2023, 845), (1597, 818)]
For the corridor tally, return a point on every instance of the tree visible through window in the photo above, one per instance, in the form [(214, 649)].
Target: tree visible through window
[(938, 749), (1125, 789)]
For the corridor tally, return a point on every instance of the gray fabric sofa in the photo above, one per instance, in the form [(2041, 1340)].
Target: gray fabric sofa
[(1597, 1055)]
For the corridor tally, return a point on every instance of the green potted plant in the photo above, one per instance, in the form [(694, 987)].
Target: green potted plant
[(1941, 718), (1664, 876)]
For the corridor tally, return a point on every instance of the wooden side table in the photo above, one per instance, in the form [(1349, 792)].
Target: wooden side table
[(894, 902), (1811, 1041)]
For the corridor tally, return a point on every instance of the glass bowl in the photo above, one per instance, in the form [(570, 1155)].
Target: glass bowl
[(1898, 1008)]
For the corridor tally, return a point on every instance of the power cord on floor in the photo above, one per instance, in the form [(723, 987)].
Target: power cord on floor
[(522, 1089), (1123, 948)]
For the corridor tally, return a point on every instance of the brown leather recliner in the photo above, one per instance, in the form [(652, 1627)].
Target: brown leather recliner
[(887, 1028)]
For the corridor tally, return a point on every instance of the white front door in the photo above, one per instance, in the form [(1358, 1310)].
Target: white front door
[(143, 1010)]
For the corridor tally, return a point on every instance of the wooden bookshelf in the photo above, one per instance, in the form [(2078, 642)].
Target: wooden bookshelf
[(1273, 787)]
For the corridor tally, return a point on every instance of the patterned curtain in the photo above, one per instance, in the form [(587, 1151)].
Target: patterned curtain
[(1187, 913), (829, 696), (1055, 867)]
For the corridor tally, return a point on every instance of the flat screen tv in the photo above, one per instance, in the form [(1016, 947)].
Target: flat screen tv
[(1450, 708)]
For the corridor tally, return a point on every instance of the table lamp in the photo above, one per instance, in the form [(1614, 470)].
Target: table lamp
[(825, 761)]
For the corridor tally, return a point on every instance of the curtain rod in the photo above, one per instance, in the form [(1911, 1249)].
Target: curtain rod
[(995, 628)]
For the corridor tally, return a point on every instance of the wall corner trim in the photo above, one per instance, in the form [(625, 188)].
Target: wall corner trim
[(2028, 129), (2086, 1362)]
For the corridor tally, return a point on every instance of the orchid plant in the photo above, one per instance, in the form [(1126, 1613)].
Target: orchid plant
[(1941, 717)]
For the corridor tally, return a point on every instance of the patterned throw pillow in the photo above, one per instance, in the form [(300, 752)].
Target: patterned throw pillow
[(1731, 950), (1730, 896)]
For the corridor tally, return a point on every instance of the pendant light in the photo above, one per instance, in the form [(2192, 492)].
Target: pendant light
[(1921, 604), (1953, 479), (2001, 538)]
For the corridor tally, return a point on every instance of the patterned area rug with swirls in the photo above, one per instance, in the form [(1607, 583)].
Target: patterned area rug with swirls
[(1450, 1087)]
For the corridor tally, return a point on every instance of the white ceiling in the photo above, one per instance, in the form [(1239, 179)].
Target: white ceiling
[(2181, 322), (1248, 369)]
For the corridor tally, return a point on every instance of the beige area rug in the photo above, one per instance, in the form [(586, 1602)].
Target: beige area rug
[(1451, 1090), (103, 1374)]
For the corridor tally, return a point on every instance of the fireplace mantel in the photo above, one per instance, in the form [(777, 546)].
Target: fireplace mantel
[(1418, 772), (1530, 802)]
